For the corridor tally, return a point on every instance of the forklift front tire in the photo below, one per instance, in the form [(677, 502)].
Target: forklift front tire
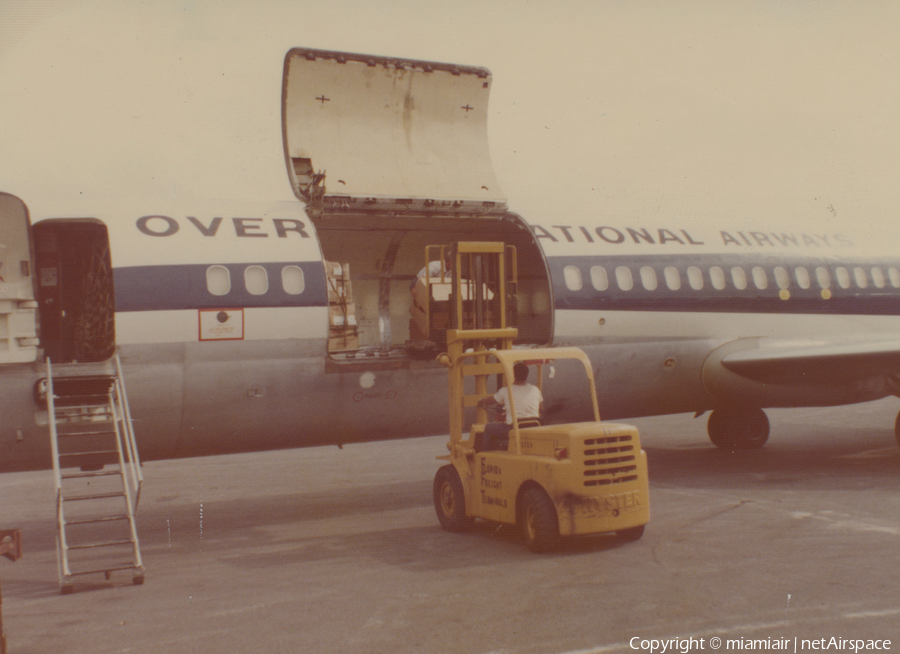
[(540, 524), (450, 500)]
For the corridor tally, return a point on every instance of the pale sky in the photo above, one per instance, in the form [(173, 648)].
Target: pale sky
[(599, 107)]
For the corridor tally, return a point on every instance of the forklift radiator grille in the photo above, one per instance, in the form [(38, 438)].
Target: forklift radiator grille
[(610, 460)]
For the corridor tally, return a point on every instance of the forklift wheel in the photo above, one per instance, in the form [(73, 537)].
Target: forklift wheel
[(450, 500), (540, 524)]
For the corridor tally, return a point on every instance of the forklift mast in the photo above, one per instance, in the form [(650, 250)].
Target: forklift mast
[(482, 310)]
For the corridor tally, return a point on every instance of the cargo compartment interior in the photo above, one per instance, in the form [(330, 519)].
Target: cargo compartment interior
[(372, 260)]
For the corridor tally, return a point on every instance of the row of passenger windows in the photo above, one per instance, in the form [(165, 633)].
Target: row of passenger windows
[(740, 278), (256, 280)]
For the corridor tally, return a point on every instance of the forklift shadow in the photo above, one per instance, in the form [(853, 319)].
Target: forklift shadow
[(489, 543), (567, 545), (424, 548)]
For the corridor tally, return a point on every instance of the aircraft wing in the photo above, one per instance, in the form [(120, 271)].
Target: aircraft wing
[(825, 361)]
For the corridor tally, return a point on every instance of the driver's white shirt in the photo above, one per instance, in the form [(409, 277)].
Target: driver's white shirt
[(528, 400)]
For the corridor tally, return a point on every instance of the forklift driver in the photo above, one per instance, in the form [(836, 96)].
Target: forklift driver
[(529, 406)]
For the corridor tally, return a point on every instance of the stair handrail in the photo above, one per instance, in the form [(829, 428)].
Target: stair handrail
[(122, 438), (51, 420), (61, 546), (134, 462)]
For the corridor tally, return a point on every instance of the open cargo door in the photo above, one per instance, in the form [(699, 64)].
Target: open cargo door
[(18, 308), (391, 158), (387, 130)]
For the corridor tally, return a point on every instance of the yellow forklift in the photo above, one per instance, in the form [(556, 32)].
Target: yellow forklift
[(552, 480)]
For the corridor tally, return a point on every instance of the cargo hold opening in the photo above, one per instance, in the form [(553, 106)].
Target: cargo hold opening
[(371, 262)]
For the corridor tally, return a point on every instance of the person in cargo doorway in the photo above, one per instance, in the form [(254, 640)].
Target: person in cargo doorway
[(529, 406), (435, 272), (433, 269)]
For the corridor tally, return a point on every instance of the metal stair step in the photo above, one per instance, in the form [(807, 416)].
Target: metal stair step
[(89, 453), (106, 432), (107, 569), (97, 473), (86, 521), (98, 496), (83, 411), (90, 546), (63, 402)]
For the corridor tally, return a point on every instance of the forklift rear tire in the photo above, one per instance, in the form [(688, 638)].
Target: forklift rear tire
[(540, 524), (450, 500)]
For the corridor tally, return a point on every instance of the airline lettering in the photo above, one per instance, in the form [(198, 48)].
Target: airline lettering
[(618, 236), (243, 227), (614, 235)]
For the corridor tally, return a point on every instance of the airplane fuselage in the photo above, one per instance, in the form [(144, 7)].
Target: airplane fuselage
[(226, 346)]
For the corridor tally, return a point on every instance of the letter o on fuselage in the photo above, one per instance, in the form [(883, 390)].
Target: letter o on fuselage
[(610, 235), (144, 225)]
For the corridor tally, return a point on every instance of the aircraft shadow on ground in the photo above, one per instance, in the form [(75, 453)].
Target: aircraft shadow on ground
[(805, 462)]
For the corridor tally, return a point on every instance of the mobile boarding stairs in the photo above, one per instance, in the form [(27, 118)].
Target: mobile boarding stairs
[(96, 469)]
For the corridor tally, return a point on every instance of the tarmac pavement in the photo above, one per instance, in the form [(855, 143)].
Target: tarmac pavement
[(326, 550)]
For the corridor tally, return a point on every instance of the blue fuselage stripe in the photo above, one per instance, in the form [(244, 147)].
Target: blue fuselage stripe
[(837, 300), (160, 288)]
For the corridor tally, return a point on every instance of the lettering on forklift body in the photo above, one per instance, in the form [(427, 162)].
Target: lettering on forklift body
[(496, 501), (605, 505), (491, 484)]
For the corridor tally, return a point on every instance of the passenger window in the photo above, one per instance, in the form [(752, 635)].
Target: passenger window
[(695, 278), (256, 280), (624, 278), (717, 278), (894, 275), (218, 280), (572, 275), (862, 279), (782, 278), (648, 278), (673, 278), (599, 278), (843, 277), (878, 278), (802, 276), (292, 280), (823, 277), (760, 279), (739, 278)]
